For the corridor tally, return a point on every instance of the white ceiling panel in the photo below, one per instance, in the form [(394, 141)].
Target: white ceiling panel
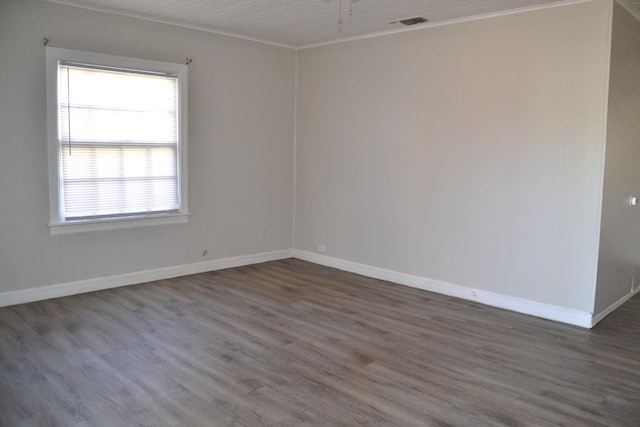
[(298, 23)]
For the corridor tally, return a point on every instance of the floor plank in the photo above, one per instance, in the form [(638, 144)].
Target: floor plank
[(293, 343)]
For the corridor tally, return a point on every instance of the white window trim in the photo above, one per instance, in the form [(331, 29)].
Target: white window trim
[(57, 224)]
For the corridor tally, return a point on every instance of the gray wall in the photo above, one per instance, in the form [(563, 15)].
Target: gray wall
[(241, 105), (619, 263), (469, 153)]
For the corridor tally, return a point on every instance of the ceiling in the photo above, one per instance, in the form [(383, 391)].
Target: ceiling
[(300, 23)]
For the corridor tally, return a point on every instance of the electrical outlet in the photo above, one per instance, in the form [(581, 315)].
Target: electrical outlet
[(322, 248)]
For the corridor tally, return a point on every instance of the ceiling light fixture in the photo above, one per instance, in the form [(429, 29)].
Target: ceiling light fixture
[(340, 21)]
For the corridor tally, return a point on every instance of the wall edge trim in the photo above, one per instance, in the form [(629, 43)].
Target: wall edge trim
[(428, 25), (607, 311), (628, 8), (175, 23), (101, 283), (519, 305)]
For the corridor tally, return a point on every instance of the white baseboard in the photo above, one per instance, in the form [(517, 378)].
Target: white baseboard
[(100, 283), (546, 311), (604, 313), (533, 308)]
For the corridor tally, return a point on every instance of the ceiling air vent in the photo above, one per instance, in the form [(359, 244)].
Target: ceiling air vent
[(410, 21)]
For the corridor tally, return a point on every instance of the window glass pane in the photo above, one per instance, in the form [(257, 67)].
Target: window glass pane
[(119, 180), (94, 124), (118, 136)]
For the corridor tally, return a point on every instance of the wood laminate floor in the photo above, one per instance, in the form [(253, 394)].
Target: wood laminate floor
[(292, 343)]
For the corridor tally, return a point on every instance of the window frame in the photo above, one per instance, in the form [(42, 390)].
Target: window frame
[(57, 223)]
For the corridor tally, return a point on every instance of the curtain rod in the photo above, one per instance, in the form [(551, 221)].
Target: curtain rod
[(45, 42)]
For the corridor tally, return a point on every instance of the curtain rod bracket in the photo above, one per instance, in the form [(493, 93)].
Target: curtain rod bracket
[(189, 61), (45, 41)]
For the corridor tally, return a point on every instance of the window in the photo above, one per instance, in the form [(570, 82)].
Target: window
[(117, 141)]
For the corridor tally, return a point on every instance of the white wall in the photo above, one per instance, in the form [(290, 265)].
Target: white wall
[(241, 105), (619, 263), (469, 153)]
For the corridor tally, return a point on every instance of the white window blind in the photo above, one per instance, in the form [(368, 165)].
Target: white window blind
[(118, 142)]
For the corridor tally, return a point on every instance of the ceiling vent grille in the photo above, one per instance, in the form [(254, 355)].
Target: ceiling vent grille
[(410, 21)]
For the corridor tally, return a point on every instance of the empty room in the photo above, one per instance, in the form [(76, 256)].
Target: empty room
[(319, 212)]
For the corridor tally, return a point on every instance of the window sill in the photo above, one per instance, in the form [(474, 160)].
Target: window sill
[(88, 226)]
